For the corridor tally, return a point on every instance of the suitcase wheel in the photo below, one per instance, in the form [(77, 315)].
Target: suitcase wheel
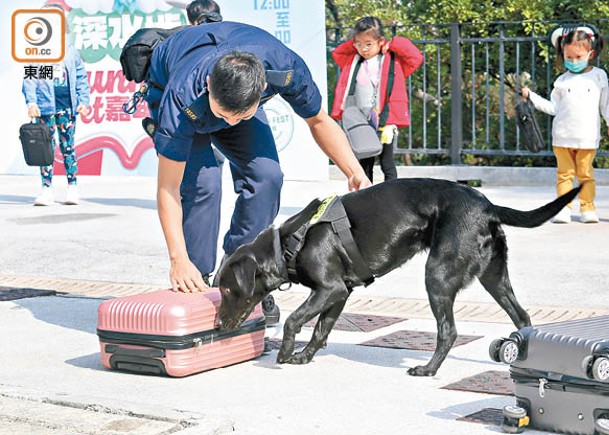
[(270, 310), (601, 426), (508, 352), (493, 349), (503, 350), (600, 369), (515, 419)]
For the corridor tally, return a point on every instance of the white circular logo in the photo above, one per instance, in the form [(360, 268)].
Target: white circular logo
[(281, 121)]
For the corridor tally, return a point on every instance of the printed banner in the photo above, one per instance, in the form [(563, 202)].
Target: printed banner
[(111, 142)]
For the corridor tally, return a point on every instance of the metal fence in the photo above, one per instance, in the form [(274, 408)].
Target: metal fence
[(462, 98)]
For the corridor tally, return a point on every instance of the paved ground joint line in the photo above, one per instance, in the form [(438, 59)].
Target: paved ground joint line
[(382, 306)]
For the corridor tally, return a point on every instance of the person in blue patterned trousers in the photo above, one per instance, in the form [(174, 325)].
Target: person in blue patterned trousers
[(57, 101)]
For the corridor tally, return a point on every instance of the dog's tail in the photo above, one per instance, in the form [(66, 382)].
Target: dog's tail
[(534, 218)]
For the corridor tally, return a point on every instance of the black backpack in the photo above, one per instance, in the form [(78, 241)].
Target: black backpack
[(529, 127), (137, 51)]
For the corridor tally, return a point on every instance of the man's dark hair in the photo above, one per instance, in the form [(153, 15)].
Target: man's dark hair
[(237, 81), (203, 11)]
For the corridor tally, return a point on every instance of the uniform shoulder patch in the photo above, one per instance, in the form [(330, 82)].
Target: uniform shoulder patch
[(198, 107), (288, 78), (279, 78)]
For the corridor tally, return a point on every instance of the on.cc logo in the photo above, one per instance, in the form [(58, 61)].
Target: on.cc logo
[(38, 31), (38, 35)]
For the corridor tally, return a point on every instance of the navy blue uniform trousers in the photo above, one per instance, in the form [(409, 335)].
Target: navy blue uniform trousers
[(250, 150)]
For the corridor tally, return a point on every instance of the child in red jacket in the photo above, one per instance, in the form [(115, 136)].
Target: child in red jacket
[(370, 47)]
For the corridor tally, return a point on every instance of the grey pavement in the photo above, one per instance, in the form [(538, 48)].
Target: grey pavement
[(52, 381)]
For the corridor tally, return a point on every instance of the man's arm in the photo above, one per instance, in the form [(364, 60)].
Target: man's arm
[(183, 274), (332, 140)]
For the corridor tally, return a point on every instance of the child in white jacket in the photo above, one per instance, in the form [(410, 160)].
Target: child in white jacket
[(579, 97)]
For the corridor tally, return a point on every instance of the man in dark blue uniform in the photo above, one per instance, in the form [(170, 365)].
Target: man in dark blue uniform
[(207, 83)]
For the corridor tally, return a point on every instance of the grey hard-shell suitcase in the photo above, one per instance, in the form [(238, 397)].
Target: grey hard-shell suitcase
[(561, 374)]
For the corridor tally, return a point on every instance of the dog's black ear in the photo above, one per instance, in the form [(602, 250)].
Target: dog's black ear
[(245, 274)]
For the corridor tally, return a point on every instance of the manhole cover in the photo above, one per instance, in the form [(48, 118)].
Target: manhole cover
[(11, 293), (491, 382), (275, 343), (492, 416), (360, 322), (415, 340)]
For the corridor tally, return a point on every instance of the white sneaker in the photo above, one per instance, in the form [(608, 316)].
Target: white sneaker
[(563, 216), (72, 195), (45, 197), (589, 217)]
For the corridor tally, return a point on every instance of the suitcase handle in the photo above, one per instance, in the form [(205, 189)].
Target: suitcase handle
[(138, 364), (129, 351)]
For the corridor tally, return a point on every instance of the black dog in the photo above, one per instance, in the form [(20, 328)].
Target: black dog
[(390, 223)]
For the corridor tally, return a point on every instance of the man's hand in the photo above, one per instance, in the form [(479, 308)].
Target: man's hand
[(359, 181), (185, 277), (525, 92)]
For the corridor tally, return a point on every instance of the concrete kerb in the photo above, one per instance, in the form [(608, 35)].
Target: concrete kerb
[(490, 176), (91, 414)]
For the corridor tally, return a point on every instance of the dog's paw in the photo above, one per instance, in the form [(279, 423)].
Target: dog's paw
[(281, 359), (300, 358), (421, 371), (284, 356)]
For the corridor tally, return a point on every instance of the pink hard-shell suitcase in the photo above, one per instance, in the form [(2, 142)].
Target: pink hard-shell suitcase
[(173, 333)]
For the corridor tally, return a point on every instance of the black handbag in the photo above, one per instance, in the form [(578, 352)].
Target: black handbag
[(529, 127), (37, 143)]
